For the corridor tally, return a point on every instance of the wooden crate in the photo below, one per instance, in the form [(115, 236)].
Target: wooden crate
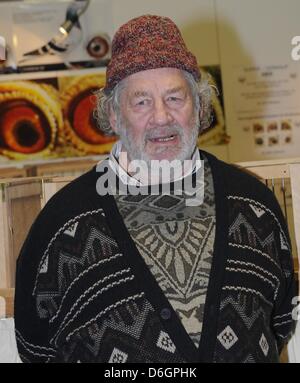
[(20, 203), (13, 172), (51, 185), (276, 174), (21, 200), (65, 168)]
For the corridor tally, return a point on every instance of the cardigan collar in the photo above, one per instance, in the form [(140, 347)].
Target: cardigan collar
[(183, 342)]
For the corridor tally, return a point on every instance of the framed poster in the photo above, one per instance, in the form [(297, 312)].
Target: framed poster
[(51, 115), (52, 35), (267, 110)]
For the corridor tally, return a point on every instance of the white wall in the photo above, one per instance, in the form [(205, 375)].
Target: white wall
[(195, 18)]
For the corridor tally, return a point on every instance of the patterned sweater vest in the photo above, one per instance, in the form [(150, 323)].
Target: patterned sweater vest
[(176, 242)]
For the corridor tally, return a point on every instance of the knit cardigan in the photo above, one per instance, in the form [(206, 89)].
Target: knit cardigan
[(84, 293)]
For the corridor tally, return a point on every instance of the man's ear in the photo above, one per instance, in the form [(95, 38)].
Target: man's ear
[(112, 118), (201, 110), (201, 113)]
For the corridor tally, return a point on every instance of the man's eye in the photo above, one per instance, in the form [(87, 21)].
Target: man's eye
[(142, 102), (173, 98)]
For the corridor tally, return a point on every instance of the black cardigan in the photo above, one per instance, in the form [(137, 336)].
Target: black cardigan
[(84, 293)]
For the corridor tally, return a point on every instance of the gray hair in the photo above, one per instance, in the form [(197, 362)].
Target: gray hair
[(202, 92)]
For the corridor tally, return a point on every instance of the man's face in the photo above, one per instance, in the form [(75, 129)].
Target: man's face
[(157, 117)]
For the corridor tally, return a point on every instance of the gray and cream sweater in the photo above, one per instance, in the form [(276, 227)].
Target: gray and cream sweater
[(100, 280), (176, 242)]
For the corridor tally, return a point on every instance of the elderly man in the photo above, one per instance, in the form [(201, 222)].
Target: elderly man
[(146, 277)]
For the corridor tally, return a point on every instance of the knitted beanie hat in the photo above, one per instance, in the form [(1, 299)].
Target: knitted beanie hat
[(148, 42)]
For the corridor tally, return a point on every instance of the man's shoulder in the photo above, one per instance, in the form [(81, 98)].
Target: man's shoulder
[(75, 193), (75, 207), (75, 199), (241, 182)]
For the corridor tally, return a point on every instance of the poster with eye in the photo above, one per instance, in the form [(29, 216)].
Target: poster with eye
[(51, 116), (267, 110), (52, 35), (78, 97)]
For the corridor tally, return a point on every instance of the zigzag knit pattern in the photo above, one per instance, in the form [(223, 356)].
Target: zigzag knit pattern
[(252, 282)]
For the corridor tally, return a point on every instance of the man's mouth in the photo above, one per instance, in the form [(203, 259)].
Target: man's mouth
[(163, 139)]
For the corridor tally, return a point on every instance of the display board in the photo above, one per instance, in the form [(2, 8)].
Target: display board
[(52, 35), (47, 114), (258, 75), (261, 81)]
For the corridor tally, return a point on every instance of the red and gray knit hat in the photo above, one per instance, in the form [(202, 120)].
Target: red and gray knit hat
[(148, 42)]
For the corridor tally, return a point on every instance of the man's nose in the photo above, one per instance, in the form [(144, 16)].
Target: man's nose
[(161, 115)]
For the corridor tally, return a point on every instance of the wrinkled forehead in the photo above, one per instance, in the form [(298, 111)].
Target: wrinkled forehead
[(162, 80)]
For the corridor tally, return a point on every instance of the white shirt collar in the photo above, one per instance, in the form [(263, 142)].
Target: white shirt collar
[(130, 180)]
